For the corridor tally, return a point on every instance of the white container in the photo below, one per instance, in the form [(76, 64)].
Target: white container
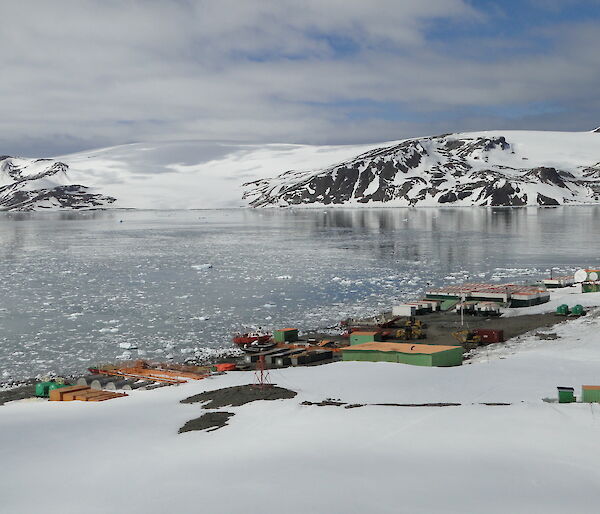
[(404, 310)]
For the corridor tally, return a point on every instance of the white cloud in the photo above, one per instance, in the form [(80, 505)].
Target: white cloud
[(87, 73)]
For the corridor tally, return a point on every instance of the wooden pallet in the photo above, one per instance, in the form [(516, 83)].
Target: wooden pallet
[(82, 393)]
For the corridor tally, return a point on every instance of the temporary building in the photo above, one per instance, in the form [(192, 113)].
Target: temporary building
[(590, 394), (404, 309), (285, 335), (513, 294), (556, 282), (566, 394), (590, 287), (364, 337), (415, 354)]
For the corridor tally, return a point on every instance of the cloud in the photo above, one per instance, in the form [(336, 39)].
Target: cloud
[(80, 74)]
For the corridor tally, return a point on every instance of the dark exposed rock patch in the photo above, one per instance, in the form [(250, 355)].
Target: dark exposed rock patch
[(239, 395), (17, 393), (210, 422)]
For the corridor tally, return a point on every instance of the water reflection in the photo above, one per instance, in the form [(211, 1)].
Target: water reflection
[(76, 284)]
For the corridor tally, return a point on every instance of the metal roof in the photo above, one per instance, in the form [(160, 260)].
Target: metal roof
[(426, 349)]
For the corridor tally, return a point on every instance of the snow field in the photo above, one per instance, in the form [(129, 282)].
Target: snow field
[(282, 456)]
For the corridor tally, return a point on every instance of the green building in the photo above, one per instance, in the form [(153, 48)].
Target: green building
[(364, 337), (406, 353), (285, 335), (590, 394), (590, 287), (566, 395)]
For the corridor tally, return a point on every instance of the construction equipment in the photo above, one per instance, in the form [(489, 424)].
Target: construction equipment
[(415, 323), (467, 338), (408, 333)]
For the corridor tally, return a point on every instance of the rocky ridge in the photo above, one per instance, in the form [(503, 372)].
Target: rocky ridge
[(441, 170), (34, 184)]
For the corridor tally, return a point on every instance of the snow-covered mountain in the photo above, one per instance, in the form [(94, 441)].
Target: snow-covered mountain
[(484, 168), (29, 184), (509, 168)]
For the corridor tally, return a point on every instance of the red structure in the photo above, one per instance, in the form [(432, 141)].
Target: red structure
[(489, 335), (261, 375)]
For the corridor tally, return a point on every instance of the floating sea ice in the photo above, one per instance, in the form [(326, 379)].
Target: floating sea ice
[(284, 277), (128, 346), (201, 267), (269, 305)]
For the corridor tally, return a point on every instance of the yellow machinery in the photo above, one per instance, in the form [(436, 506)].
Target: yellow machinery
[(467, 338), (410, 333), (414, 323)]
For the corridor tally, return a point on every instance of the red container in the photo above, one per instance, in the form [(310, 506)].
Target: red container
[(226, 367), (489, 335)]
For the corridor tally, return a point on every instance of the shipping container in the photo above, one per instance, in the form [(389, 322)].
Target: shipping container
[(566, 394), (489, 335), (590, 394), (404, 310), (285, 335)]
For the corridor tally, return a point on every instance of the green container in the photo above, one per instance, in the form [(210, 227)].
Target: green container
[(364, 337), (590, 287), (563, 310), (578, 310), (285, 335), (590, 394), (42, 389), (566, 395), (54, 385)]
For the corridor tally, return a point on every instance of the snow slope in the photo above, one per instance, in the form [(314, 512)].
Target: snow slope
[(502, 168), (191, 174), (283, 456), (479, 168)]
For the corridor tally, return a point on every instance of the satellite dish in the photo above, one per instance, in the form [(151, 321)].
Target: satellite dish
[(593, 275), (581, 275)]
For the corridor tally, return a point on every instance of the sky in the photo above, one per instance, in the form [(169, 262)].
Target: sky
[(81, 74)]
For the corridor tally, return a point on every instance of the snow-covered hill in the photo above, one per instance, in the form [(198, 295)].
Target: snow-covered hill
[(28, 184), (485, 168)]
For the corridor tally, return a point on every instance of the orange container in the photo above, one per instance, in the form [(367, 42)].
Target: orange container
[(58, 395), (227, 366)]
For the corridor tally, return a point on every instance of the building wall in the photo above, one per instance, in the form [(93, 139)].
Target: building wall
[(452, 357), (590, 395), (448, 358), (375, 356), (360, 339), (281, 336)]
